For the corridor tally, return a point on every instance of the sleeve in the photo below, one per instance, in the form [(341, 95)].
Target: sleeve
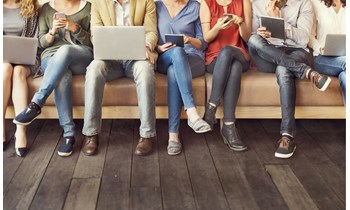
[(83, 35), (150, 23), (44, 20), (313, 42), (95, 14), (301, 33)]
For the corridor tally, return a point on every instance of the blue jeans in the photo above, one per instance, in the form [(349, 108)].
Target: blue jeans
[(180, 69), (58, 70), (333, 66), (289, 64), (99, 72)]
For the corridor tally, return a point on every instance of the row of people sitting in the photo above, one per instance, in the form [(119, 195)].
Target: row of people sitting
[(214, 43)]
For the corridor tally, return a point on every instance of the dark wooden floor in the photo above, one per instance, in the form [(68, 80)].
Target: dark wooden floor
[(207, 175)]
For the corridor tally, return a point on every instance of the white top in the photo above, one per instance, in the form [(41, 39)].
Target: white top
[(327, 21), (122, 13)]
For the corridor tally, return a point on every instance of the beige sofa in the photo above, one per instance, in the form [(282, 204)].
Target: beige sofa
[(259, 98)]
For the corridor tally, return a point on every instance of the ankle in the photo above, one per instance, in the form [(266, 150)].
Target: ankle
[(288, 135)]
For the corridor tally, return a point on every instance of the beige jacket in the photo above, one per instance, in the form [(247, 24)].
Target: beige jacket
[(142, 13)]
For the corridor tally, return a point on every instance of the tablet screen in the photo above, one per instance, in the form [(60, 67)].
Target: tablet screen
[(274, 25), (176, 39)]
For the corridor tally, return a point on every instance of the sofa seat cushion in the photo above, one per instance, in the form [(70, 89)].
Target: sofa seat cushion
[(122, 92), (261, 89)]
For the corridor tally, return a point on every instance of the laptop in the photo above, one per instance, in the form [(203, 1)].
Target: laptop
[(20, 50), (335, 45), (119, 42)]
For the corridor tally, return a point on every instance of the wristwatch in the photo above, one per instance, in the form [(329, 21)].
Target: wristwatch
[(50, 32)]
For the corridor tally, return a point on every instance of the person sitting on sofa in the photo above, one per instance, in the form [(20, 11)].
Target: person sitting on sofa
[(65, 37), (287, 61), (181, 64), (226, 58), (122, 13), (20, 18), (330, 19)]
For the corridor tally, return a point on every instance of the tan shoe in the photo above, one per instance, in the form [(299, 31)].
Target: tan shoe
[(144, 146), (90, 145)]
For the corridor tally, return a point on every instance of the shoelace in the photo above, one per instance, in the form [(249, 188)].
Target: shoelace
[(315, 77), (284, 142)]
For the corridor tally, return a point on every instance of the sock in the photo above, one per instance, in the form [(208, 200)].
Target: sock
[(287, 134), (228, 123)]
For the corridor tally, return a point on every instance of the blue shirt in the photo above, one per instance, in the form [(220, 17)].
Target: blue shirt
[(185, 22)]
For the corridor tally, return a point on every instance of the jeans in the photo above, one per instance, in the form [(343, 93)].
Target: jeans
[(288, 63), (180, 69), (99, 72), (333, 66), (58, 70), (227, 71)]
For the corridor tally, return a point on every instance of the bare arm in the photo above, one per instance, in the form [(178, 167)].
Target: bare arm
[(245, 28)]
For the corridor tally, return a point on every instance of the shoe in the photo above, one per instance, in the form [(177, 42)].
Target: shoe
[(319, 80), (144, 146), (90, 145), (28, 115), (174, 147), (20, 151), (286, 147), (199, 126), (66, 148), (209, 115), (231, 137)]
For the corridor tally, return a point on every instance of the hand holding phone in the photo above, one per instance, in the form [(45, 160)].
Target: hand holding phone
[(59, 15), (59, 21), (228, 17)]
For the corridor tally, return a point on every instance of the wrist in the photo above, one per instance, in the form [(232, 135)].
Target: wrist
[(52, 32)]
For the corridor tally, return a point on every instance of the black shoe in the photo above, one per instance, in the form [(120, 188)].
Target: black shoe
[(28, 115), (319, 80), (231, 137), (209, 115), (20, 151), (66, 148), (286, 147)]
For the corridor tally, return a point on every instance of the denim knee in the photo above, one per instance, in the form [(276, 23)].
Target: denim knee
[(178, 52), (284, 76), (95, 71), (255, 41)]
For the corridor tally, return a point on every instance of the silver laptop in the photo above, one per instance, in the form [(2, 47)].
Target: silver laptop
[(20, 50), (335, 45), (119, 42)]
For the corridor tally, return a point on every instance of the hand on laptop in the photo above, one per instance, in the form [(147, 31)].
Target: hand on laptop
[(263, 32), (321, 50)]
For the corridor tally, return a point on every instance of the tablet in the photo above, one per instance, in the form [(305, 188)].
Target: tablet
[(177, 39), (274, 25)]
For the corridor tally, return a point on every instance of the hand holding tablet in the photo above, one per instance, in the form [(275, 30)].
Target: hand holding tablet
[(176, 39)]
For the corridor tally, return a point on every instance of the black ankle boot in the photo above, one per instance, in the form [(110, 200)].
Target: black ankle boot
[(209, 115), (231, 137)]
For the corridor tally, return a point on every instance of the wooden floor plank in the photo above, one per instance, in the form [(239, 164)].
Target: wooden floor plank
[(11, 161), (92, 166), (291, 189), (175, 181), (54, 186), (308, 175), (145, 178), (252, 163), (309, 146), (236, 187), (206, 185), (27, 178), (115, 184), (81, 195)]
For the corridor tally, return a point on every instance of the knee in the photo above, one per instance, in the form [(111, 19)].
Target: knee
[(20, 73), (95, 70), (178, 53), (254, 40), (144, 72), (65, 51), (226, 50), (7, 71), (283, 75)]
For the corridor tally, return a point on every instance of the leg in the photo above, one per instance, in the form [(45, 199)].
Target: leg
[(260, 47), (333, 66), (143, 74), (20, 100), (7, 82), (98, 73)]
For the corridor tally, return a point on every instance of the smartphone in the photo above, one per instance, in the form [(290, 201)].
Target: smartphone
[(229, 17), (59, 15)]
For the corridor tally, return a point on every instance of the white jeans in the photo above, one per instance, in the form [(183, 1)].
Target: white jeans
[(99, 72)]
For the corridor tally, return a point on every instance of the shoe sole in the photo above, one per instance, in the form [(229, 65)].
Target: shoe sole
[(325, 86), (64, 154), (173, 154), (279, 155), (90, 154), (203, 131), (20, 123)]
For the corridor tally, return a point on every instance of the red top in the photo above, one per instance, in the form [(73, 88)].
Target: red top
[(226, 37)]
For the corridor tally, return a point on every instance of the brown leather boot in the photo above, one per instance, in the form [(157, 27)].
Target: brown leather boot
[(90, 145), (144, 146)]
